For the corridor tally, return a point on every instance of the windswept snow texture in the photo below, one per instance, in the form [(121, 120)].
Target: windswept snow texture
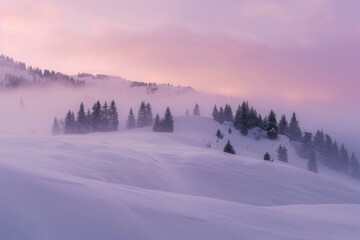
[(143, 185)]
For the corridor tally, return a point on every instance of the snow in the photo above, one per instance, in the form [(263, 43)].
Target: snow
[(136, 184)]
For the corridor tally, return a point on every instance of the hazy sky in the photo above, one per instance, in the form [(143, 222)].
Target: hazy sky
[(293, 52)]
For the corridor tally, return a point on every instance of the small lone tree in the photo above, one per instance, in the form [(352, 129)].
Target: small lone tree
[(55, 127), (130, 123), (168, 123), (219, 134), (157, 127), (196, 111), (229, 148), (267, 156), (230, 131)]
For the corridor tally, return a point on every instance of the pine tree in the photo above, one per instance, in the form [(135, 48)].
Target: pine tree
[(283, 126), (104, 126), (267, 157), (141, 117), (157, 127), (230, 131), (237, 118), (196, 111), (228, 114), (113, 117), (295, 133), (88, 121), (244, 124), (319, 142), (130, 124), (219, 134), (272, 127), (253, 118), (148, 115), (215, 114), (229, 148), (221, 116), (354, 166), (55, 127), (344, 158), (96, 117), (168, 121), (81, 120), (69, 124), (306, 146), (312, 165)]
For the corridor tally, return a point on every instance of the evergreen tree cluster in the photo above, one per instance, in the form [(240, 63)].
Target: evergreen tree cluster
[(145, 115), (38, 77), (224, 114), (330, 153), (102, 118), (164, 125)]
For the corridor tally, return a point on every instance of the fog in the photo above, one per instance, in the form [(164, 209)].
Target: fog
[(41, 105)]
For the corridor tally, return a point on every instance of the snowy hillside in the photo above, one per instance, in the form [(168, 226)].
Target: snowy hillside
[(137, 184)]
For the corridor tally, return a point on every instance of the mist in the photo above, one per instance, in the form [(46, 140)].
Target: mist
[(41, 105)]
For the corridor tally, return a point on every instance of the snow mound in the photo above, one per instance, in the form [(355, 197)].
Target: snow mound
[(143, 185)]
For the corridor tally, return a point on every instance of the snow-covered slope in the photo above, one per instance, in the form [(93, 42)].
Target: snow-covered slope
[(143, 185)]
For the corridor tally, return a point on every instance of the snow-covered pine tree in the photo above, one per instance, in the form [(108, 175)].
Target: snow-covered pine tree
[(55, 127), (96, 117), (283, 126), (354, 166), (272, 127), (221, 116), (81, 120), (130, 123), (88, 121), (69, 123), (306, 145), (244, 122), (113, 117), (196, 111), (312, 165), (229, 148), (168, 121), (295, 133), (157, 126), (148, 115), (215, 114), (228, 113), (344, 158), (105, 118), (219, 134), (141, 117), (319, 142)]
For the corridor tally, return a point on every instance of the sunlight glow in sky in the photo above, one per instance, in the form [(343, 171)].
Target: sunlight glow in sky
[(305, 50)]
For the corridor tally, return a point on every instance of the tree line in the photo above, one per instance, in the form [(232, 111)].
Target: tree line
[(104, 118), (318, 147)]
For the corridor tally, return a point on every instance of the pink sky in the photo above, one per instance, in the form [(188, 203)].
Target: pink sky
[(282, 54), (304, 50)]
